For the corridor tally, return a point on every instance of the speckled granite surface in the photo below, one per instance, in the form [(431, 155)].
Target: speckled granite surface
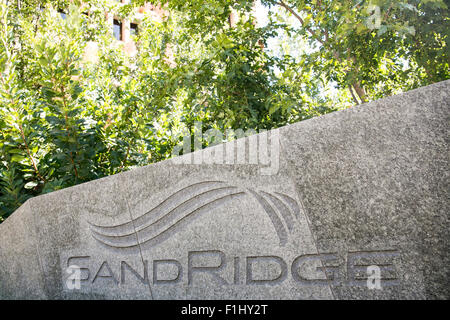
[(351, 205)]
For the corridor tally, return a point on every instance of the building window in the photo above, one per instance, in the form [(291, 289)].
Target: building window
[(133, 29), (117, 29)]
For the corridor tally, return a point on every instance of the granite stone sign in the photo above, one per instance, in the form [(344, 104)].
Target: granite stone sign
[(351, 205)]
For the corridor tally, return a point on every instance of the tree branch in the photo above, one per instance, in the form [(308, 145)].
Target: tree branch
[(22, 134), (360, 91), (353, 95), (29, 153), (356, 86), (66, 120), (295, 14)]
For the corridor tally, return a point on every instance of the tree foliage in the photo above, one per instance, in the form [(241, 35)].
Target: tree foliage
[(75, 107), (375, 48)]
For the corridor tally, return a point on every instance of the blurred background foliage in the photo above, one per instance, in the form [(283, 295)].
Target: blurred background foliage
[(75, 107)]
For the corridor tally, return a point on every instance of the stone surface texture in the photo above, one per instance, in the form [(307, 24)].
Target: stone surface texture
[(367, 187)]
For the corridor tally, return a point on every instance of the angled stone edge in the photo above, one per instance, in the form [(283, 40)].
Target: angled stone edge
[(354, 207)]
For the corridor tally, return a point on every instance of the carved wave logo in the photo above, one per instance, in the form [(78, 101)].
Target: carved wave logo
[(185, 205)]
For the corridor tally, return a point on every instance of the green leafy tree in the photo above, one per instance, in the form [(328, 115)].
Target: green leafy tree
[(75, 106), (373, 48)]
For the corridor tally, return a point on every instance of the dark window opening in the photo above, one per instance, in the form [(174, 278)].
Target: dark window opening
[(134, 29), (117, 29)]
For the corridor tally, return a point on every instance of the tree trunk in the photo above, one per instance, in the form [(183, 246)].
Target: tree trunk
[(360, 91), (353, 95)]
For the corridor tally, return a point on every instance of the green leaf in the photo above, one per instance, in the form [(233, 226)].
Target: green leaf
[(17, 158), (30, 185)]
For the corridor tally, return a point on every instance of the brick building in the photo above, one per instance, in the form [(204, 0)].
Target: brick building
[(123, 29)]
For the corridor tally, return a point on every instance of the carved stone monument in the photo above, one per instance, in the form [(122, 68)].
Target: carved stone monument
[(351, 205)]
